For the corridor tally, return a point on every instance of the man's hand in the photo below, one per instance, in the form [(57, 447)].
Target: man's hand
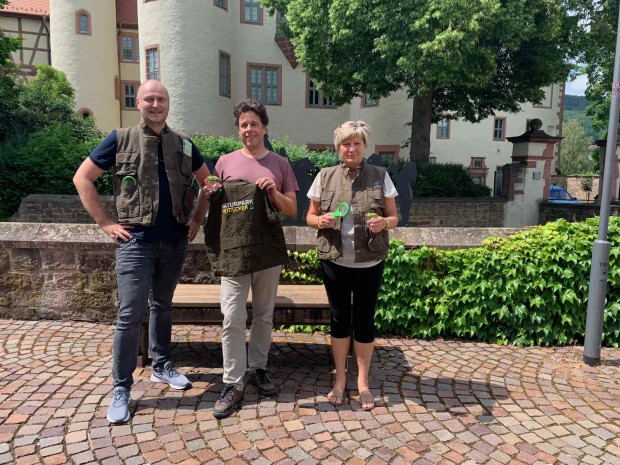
[(267, 184), (118, 232), (194, 226)]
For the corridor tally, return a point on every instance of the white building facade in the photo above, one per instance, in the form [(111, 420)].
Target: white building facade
[(211, 54)]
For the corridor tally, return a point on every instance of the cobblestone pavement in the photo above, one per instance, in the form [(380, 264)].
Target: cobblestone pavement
[(442, 402)]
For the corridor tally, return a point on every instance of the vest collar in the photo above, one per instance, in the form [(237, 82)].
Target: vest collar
[(346, 170), (146, 129)]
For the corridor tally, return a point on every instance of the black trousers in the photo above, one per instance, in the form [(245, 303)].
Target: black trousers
[(363, 284)]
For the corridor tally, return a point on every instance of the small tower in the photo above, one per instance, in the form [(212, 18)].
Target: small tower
[(84, 47)]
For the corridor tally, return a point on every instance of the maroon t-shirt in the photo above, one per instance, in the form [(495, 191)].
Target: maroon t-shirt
[(236, 165)]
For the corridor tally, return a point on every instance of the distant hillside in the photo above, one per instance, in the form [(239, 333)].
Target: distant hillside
[(574, 108), (575, 102)]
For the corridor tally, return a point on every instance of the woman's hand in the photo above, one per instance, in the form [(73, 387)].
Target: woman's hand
[(378, 224), (325, 221)]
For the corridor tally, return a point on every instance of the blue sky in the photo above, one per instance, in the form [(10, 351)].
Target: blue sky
[(577, 87)]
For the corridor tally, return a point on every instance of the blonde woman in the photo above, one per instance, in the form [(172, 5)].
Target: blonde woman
[(352, 250)]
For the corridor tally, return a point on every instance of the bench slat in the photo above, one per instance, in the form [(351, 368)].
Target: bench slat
[(200, 304), (289, 296), (281, 316)]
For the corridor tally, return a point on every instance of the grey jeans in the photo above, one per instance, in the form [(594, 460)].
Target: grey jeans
[(147, 274), (234, 297)]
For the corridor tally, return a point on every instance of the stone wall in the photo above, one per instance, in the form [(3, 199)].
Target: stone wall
[(66, 271), (43, 208), (458, 212), (428, 212), (551, 211)]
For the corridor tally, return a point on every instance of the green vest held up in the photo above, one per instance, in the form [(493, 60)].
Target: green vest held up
[(243, 233)]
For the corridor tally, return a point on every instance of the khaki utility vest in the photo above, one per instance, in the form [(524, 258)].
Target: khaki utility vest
[(243, 233), (136, 177), (364, 194)]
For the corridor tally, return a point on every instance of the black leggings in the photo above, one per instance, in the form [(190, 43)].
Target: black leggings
[(363, 283)]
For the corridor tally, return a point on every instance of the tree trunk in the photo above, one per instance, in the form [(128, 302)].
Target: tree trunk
[(420, 146)]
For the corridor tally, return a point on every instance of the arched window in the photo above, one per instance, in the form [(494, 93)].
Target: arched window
[(85, 113), (82, 22)]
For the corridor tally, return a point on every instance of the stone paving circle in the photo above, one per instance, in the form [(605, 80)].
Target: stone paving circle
[(441, 402)]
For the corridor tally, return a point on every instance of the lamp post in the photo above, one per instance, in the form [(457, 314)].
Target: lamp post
[(600, 251)]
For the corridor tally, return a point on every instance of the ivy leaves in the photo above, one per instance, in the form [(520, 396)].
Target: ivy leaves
[(527, 289)]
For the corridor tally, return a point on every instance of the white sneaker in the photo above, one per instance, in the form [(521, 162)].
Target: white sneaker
[(171, 377), (118, 411)]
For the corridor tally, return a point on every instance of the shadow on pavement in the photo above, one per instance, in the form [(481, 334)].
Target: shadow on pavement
[(303, 374)]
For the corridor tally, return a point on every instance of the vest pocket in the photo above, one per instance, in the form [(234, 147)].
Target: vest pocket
[(186, 166), (327, 197), (127, 185), (322, 244), (378, 242), (328, 240), (376, 199)]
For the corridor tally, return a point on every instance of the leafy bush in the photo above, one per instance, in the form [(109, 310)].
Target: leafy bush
[(527, 289), (323, 159), (447, 180), (43, 140), (302, 268), (297, 152), (213, 147), (34, 104), (42, 163)]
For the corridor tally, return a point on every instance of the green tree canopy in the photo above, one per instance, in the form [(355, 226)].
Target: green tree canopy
[(575, 156), (596, 42), (45, 142), (466, 58), (45, 99)]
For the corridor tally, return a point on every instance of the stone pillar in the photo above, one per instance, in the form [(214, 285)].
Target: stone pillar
[(615, 176), (528, 177)]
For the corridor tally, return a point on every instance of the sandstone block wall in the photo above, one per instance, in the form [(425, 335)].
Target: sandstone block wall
[(66, 271), (43, 208), (549, 211), (458, 212), (427, 212)]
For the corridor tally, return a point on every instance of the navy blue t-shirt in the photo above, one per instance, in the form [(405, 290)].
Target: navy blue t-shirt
[(166, 227)]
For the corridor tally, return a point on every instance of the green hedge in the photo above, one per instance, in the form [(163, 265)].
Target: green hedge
[(213, 147), (42, 163), (447, 180), (527, 289)]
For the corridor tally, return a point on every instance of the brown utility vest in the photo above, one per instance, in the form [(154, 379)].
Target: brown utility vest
[(136, 159), (243, 233), (364, 194)]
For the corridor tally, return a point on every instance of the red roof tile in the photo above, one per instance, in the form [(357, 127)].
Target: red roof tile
[(29, 7), (127, 11)]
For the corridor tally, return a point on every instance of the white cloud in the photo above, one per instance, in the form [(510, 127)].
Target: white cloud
[(577, 86)]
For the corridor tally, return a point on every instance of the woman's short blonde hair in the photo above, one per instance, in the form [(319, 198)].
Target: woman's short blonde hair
[(350, 129)]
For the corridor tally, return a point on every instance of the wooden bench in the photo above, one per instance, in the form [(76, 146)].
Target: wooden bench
[(200, 304)]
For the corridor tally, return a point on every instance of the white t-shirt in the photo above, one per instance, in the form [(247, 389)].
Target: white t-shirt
[(347, 227)]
